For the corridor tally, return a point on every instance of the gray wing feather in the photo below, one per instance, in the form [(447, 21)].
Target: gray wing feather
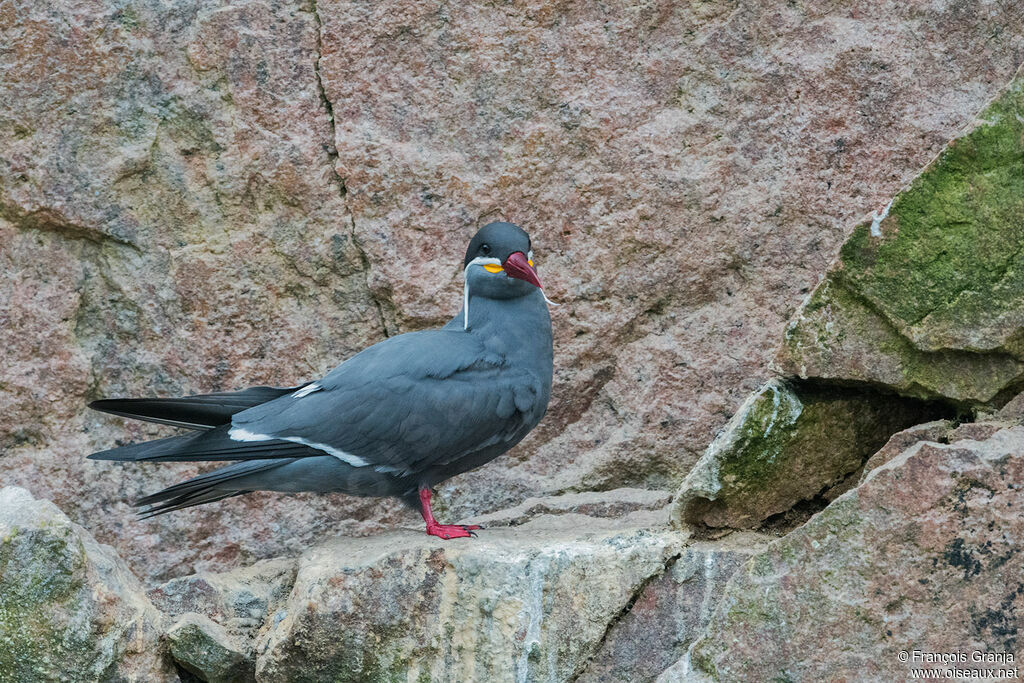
[(413, 401)]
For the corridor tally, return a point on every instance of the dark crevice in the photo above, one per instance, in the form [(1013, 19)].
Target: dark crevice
[(332, 150), (332, 160), (782, 523), (818, 387), (626, 609), (893, 413), (1006, 394), (365, 261), (184, 675)]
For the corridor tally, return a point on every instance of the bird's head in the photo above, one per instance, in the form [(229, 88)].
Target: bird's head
[(499, 263)]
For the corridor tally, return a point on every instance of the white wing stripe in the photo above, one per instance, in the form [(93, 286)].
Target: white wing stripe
[(353, 460), (241, 434), (307, 390)]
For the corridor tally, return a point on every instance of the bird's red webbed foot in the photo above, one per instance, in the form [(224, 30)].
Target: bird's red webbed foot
[(452, 530), (443, 530)]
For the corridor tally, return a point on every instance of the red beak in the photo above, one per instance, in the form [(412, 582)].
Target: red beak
[(518, 266)]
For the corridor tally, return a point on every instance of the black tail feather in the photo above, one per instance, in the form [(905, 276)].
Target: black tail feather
[(188, 502), (205, 488), (203, 411), (145, 450), (216, 477)]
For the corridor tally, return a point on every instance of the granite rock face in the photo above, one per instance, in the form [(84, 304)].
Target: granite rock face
[(169, 223), (669, 613), (70, 609), (928, 301), (217, 617), (504, 606), (923, 555), (208, 195)]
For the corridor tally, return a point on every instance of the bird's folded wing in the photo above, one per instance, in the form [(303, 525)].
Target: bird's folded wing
[(426, 399)]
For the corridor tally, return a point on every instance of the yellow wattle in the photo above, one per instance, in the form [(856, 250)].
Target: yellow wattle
[(491, 268)]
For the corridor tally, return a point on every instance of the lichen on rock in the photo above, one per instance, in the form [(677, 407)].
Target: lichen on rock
[(206, 649), (70, 609)]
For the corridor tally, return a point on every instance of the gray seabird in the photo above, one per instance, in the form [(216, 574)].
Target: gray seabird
[(396, 419)]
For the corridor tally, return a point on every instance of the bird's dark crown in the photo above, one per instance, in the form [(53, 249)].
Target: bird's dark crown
[(497, 241)]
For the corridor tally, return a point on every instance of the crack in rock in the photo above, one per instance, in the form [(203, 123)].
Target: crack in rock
[(332, 158), (622, 613)]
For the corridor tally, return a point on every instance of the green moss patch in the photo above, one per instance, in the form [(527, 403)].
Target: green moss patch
[(951, 247)]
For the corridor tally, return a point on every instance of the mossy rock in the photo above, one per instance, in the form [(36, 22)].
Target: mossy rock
[(206, 649), (786, 444), (929, 301), (932, 531)]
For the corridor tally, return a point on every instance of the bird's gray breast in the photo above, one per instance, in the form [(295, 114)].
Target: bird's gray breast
[(518, 331)]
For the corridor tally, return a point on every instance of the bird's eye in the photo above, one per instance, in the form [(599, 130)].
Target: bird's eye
[(485, 249)]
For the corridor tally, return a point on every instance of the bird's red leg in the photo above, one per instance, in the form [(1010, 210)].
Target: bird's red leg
[(443, 530)]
